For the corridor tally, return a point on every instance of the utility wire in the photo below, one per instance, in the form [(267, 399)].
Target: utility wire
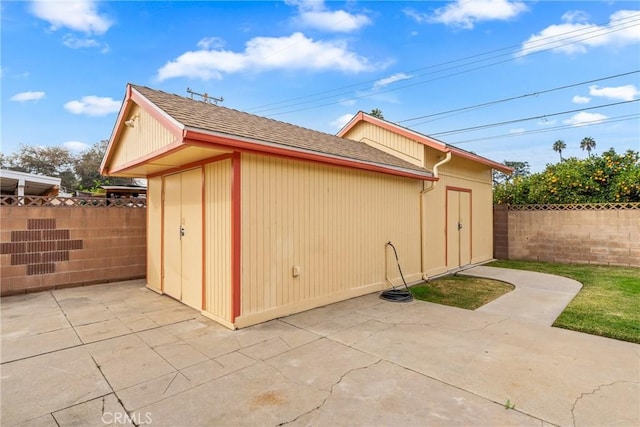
[(550, 129), (543, 116), (485, 104), (555, 41)]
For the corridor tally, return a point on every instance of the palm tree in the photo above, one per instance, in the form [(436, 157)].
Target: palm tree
[(558, 146), (588, 144)]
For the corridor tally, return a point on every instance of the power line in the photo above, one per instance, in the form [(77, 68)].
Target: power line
[(551, 129), (555, 41), (485, 104), (543, 116)]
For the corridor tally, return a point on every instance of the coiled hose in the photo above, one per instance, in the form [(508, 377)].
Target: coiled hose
[(397, 295)]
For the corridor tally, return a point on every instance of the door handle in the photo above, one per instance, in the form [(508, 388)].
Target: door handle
[(459, 226), (181, 232)]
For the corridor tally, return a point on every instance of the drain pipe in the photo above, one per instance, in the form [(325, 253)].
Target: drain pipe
[(446, 159)]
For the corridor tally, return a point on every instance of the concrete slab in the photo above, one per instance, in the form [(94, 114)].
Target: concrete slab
[(537, 297), (388, 394), (102, 330), (127, 360), (359, 362), (103, 411), (35, 344), (40, 385), (256, 395)]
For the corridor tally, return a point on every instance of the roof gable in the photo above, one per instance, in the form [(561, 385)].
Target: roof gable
[(426, 140)]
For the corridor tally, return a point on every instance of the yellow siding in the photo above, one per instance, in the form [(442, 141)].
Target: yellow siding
[(331, 222), (389, 142), (218, 239), (147, 136), (154, 233)]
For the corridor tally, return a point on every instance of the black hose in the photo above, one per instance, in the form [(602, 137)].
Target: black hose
[(397, 295)]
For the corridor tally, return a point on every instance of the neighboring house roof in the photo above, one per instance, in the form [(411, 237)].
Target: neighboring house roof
[(421, 138), (196, 120), (33, 185)]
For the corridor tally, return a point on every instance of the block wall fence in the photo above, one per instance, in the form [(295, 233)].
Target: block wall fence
[(52, 247), (607, 234)]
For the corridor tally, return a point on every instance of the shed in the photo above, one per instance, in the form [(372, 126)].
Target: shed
[(250, 219)]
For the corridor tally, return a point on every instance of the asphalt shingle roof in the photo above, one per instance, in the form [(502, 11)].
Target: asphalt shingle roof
[(213, 118)]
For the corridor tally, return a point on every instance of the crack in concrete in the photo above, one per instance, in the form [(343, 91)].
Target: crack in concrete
[(593, 392), (324, 401)]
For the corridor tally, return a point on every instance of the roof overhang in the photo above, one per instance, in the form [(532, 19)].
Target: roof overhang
[(195, 146), (422, 139)]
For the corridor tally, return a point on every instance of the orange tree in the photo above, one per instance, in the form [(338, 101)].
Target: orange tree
[(610, 177)]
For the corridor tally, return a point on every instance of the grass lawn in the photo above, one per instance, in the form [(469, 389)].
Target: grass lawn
[(461, 291), (608, 303)]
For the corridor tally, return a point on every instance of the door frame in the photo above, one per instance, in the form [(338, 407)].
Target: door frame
[(446, 224), (201, 240)]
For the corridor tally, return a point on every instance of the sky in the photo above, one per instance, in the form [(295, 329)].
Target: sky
[(502, 78)]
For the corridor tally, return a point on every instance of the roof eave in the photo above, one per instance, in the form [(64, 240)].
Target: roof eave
[(197, 137)]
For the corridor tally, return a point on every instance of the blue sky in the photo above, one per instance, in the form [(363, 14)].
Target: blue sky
[(436, 67)]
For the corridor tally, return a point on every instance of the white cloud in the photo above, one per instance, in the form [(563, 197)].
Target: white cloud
[(624, 93), (211, 43), (75, 146), (466, 13), (28, 96), (415, 15), (78, 15), (391, 79), (583, 118), (77, 43), (314, 14), (580, 99), (93, 106), (517, 131), (267, 53), (341, 121), (576, 36)]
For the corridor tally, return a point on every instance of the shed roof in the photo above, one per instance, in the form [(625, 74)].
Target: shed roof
[(197, 120)]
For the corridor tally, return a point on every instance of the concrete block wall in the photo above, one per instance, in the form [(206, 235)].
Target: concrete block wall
[(608, 237), (54, 247)]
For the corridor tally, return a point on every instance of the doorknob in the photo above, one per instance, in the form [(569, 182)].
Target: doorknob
[(181, 232), (459, 226)]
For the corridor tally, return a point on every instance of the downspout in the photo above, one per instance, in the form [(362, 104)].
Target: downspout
[(446, 159)]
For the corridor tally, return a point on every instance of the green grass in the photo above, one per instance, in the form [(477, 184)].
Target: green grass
[(461, 291), (608, 303)]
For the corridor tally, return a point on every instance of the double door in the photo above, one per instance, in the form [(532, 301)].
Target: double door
[(458, 227), (182, 237)]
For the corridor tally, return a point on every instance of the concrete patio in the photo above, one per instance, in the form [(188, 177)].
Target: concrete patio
[(119, 354)]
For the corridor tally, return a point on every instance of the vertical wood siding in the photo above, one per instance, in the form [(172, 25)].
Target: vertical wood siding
[(389, 142), (147, 136), (331, 222), (154, 233), (218, 239)]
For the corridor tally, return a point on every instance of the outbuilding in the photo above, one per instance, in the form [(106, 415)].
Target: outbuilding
[(250, 219)]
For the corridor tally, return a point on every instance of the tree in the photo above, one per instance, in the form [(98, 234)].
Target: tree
[(607, 178), (49, 161), (376, 112), (558, 146), (588, 144), (87, 168), (520, 169)]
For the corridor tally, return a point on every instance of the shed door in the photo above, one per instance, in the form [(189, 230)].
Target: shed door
[(182, 230), (458, 228)]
